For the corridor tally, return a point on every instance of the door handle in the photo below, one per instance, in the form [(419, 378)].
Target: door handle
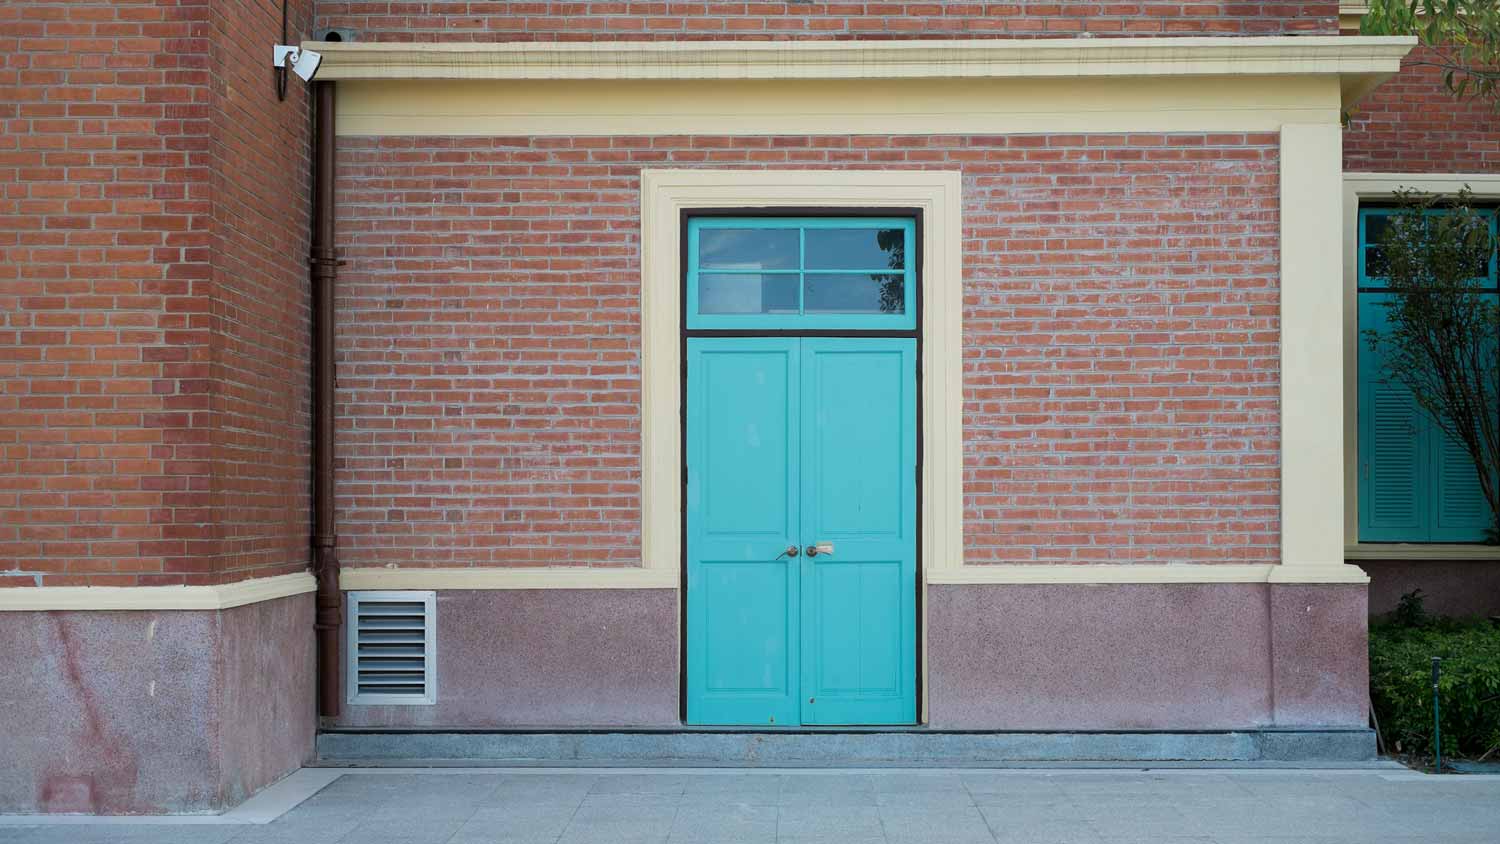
[(791, 551), (820, 548)]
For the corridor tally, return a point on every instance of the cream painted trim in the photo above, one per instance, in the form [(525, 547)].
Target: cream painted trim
[(1312, 497), (1350, 15), (358, 579), (353, 579), (1378, 186), (1433, 553), (1349, 56), (1097, 574), (480, 108), (665, 194), (821, 87), (47, 598)]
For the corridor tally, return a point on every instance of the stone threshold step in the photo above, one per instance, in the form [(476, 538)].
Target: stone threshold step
[(905, 747)]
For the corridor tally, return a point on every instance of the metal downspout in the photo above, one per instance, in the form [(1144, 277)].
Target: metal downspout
[(323, 263)]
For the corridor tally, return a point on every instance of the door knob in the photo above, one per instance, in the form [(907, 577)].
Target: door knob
[(791, 551), (820, 548)]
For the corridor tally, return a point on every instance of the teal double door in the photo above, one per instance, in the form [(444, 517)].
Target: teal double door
[(801, 499)]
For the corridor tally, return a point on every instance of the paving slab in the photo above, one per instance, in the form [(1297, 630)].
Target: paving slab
[(1216, 805)]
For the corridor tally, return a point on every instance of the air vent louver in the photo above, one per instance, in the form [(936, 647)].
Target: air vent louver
[(392, 653)]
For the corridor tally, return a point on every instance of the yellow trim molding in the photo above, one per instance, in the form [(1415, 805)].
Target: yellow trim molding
[(481, 108), (666, 194), (47, 598), (1146, 574), (1312, 496), (1423, 553), (1381, 187), (579, 577), (1016, 574), (1351, 58)]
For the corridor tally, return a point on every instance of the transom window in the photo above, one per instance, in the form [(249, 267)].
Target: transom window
[(801, 272), (1416, 484)]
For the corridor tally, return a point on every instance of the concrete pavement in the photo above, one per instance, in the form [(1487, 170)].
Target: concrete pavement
[(779, 806)]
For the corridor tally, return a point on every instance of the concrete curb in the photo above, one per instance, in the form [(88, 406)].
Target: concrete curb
[(913, 748)]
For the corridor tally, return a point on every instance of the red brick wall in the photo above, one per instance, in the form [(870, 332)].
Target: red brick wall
[(1411, 124), (261, 319), (594, 20), (1120, 356), (106, 155), (124, 273)]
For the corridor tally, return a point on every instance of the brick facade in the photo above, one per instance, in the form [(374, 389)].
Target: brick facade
[(1412, 124), (1121, 371), (602, 20), (152, 387), (260, 308)]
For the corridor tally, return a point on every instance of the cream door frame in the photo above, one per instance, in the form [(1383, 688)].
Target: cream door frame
[(1359, 187), (666, 195)]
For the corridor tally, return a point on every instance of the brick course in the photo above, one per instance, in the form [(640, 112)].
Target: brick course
[(150, 256), (1121, 346), (1411, 124), (602, 20)]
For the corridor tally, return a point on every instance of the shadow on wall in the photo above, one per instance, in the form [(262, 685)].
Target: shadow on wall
[(1450, 588)]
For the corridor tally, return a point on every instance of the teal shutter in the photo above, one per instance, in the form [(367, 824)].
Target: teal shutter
[(1393, 447), (1416, 484), (1461, 511)]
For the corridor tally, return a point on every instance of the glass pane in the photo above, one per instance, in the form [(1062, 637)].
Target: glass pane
[(856, 249), (1375, 265), (856, 293), (747, 293), (748, 249), (1375, 226)]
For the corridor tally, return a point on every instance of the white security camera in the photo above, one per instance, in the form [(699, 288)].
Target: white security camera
[(304, 63)]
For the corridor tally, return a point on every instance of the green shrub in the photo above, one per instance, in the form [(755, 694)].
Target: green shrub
[(1401, 683)]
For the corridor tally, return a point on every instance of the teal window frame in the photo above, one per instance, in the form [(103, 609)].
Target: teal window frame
[(906, 320), (1434, 471)]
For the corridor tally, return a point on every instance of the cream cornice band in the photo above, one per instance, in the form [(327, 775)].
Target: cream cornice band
[(569, 108), (1360, 61), (226, 596)]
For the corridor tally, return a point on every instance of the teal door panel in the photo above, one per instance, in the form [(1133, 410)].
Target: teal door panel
[(859, 476), (742, 513), (791, 443)]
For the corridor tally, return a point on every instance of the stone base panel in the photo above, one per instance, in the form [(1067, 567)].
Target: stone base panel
[(154, 711), (1230, 656)]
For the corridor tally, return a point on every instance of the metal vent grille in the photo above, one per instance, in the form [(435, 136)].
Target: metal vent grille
[(392, 653)]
